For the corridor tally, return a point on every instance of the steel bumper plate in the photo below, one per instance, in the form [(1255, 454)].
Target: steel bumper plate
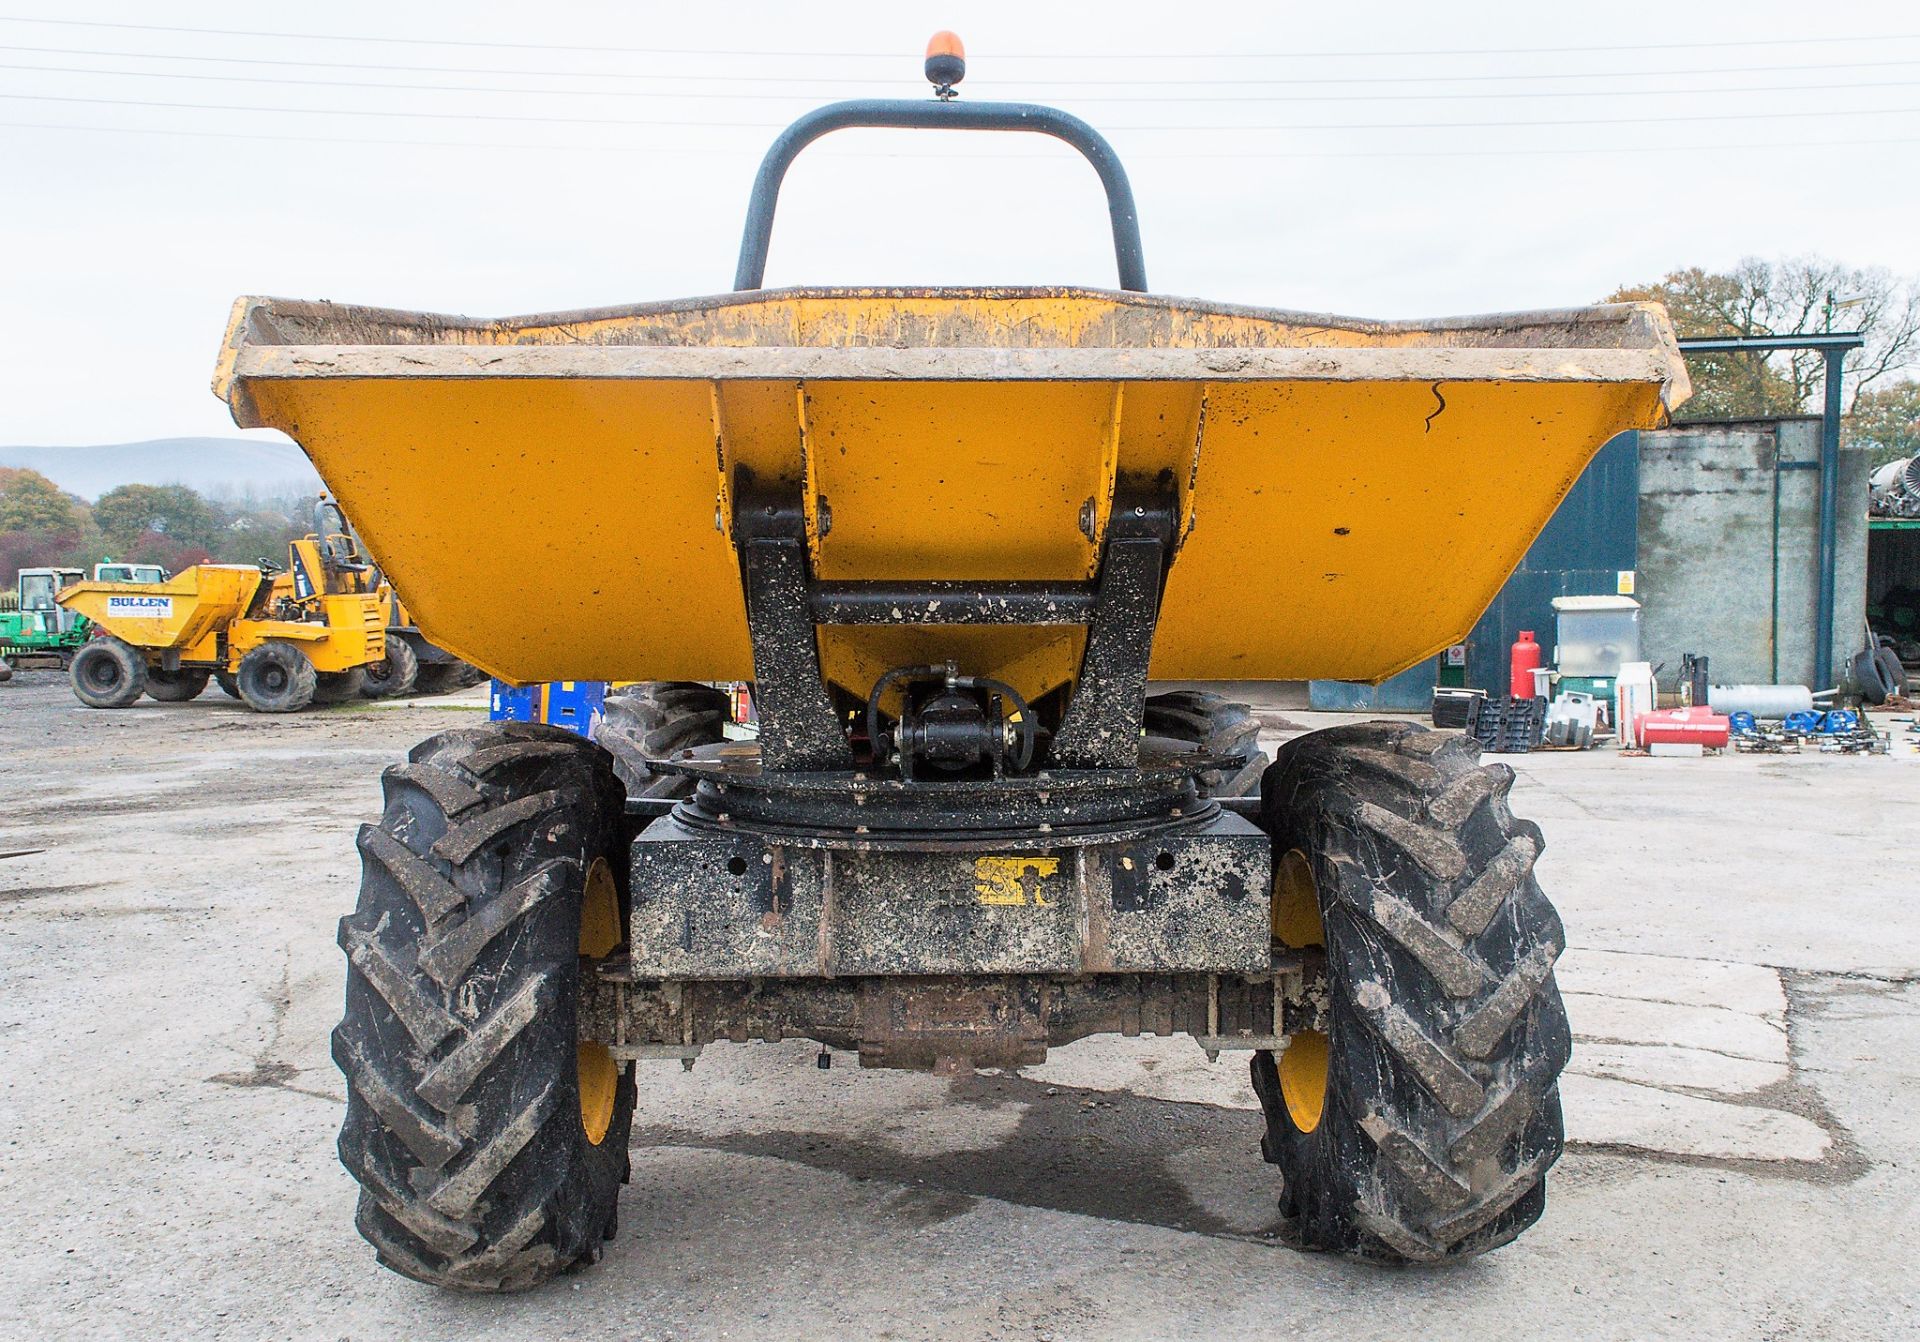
[(735, 905)]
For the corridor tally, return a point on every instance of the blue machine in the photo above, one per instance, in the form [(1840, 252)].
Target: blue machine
[(1804, 723), (1840, 722), (573, 704), (514, 703)]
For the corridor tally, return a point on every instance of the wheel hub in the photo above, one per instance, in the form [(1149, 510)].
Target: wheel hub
[(1296, 924), (599, 1075)]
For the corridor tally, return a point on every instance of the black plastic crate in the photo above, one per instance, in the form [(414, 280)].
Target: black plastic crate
[(1508, 726)]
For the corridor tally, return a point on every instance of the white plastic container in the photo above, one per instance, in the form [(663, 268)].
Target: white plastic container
[(1595, 635), (1632, 696)]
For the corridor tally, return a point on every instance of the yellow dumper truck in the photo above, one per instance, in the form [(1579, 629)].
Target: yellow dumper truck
[(951, 536), (279, 642)]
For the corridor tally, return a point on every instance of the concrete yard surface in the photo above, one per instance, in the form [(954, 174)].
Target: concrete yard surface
[(1743, 979)]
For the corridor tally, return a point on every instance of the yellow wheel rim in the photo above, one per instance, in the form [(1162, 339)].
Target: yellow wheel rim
[(599, 1078), (1296, 902), (1303, 1079), (1296, 924), (599, 1075), (600, 911)]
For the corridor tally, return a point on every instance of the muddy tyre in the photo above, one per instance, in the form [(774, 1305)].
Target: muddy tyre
[(445, 677), (276, 678), (174, 687), (654, 720), (108, 674), (434, 678), (339, 687), (1419, 1126), (489, 1143), (1218, 726), (1893, 672), (396, 675), (228, 685)]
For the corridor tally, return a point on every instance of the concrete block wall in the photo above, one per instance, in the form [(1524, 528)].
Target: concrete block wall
[(1729, 546)]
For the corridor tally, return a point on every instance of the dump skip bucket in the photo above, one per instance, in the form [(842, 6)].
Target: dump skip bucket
[(552, 495), (177, 613)]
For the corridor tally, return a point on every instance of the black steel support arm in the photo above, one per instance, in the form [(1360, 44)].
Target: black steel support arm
[(799, 728), (1103, 721)]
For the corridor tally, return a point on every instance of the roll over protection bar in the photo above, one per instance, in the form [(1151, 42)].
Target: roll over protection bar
[(907, 114)]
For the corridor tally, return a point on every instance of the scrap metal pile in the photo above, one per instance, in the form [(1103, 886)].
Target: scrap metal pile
[(1837, 731), (1894, 489)]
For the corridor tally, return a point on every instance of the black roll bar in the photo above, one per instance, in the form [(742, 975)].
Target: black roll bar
[(898, 113)]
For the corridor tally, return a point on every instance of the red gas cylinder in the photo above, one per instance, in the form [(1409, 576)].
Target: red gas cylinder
[(1525, 661), (1684, 726)]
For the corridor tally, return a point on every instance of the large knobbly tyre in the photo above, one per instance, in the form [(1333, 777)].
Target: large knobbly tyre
[(1421, 1124), (1217, 726), (652, 721), (444, 677), (393, 676), (174, 687), (108, 674), (339, 687), (489, 1143), (1892, 671), (276, 677)]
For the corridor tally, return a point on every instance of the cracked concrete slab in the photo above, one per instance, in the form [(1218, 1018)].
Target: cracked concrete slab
[(1673, 1067), (168, 979), (1636, 1021), (1651, 1032), (1604, 1112), (1753, 989)]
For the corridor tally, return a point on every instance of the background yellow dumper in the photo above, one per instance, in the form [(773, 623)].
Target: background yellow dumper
[(278, 642)]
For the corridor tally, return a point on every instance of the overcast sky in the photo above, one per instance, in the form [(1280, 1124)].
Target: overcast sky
[(1391, 158)]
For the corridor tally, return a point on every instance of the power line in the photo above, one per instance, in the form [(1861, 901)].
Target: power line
[(674, 151), (894, 56), (1047, 81), (281, 81), (772, 125)]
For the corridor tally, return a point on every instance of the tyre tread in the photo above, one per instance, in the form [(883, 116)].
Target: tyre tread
[(456, 1042), (656, 719), (1441, 951), (1215, 725)]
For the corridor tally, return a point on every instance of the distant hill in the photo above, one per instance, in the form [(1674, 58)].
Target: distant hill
[(227, 467)]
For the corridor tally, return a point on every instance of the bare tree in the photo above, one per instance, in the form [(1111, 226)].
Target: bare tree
[(1797, 296)]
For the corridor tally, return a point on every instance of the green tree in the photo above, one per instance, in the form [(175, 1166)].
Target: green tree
[(1888, 419), (32, 503), (126, 514), (1797, 296)]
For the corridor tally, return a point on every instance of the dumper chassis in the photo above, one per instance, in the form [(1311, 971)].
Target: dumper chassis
[(1363, 924), (948, 862)]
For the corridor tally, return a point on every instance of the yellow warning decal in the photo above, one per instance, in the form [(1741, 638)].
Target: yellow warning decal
[(1018, 880)]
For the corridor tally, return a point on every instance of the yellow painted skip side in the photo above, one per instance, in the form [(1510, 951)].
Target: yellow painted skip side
[(1347, 533), (543, 530), (180, 614), (1338, 530), (548, 496)]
